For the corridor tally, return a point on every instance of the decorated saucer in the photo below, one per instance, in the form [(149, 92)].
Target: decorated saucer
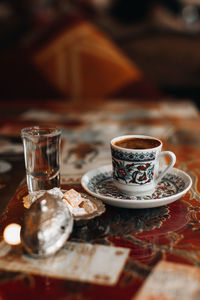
[(99, 183)]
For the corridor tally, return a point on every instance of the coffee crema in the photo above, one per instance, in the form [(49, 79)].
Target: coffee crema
[(137, 143)]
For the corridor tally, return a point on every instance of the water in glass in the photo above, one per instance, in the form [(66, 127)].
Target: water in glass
[(41, 153)]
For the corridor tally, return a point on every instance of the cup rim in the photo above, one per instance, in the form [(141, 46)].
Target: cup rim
[(118, 138), (33, 131)]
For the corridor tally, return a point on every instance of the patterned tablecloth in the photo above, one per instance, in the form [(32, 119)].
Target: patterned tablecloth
[(170, 233)]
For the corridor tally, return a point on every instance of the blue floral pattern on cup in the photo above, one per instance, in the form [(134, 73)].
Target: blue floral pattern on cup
[(133, 168), (134, 173)]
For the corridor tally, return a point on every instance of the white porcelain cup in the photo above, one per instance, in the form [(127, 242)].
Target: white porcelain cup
[(135, 161)]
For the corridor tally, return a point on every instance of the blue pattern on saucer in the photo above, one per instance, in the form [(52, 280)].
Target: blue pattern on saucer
[(102, 184)]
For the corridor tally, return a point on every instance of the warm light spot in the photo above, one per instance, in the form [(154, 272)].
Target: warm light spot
[(11, 234)]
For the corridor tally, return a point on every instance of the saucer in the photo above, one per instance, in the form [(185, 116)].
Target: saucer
[(99, 183)]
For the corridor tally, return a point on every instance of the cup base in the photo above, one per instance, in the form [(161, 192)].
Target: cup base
[(141, 194), (148, 190)]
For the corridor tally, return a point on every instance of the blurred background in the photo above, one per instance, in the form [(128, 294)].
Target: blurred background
[(81, 49)]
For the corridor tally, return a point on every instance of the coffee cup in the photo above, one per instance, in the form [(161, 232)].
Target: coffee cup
[(135, 162)]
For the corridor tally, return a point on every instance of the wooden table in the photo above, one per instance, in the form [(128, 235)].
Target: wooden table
[(169, 233)]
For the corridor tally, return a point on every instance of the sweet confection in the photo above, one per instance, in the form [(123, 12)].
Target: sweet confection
[(77, 204), (74, 201)]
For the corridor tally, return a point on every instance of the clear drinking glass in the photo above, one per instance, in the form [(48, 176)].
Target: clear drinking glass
[(42, 157)]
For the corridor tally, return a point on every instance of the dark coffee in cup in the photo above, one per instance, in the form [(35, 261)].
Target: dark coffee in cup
[(137, 143)]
